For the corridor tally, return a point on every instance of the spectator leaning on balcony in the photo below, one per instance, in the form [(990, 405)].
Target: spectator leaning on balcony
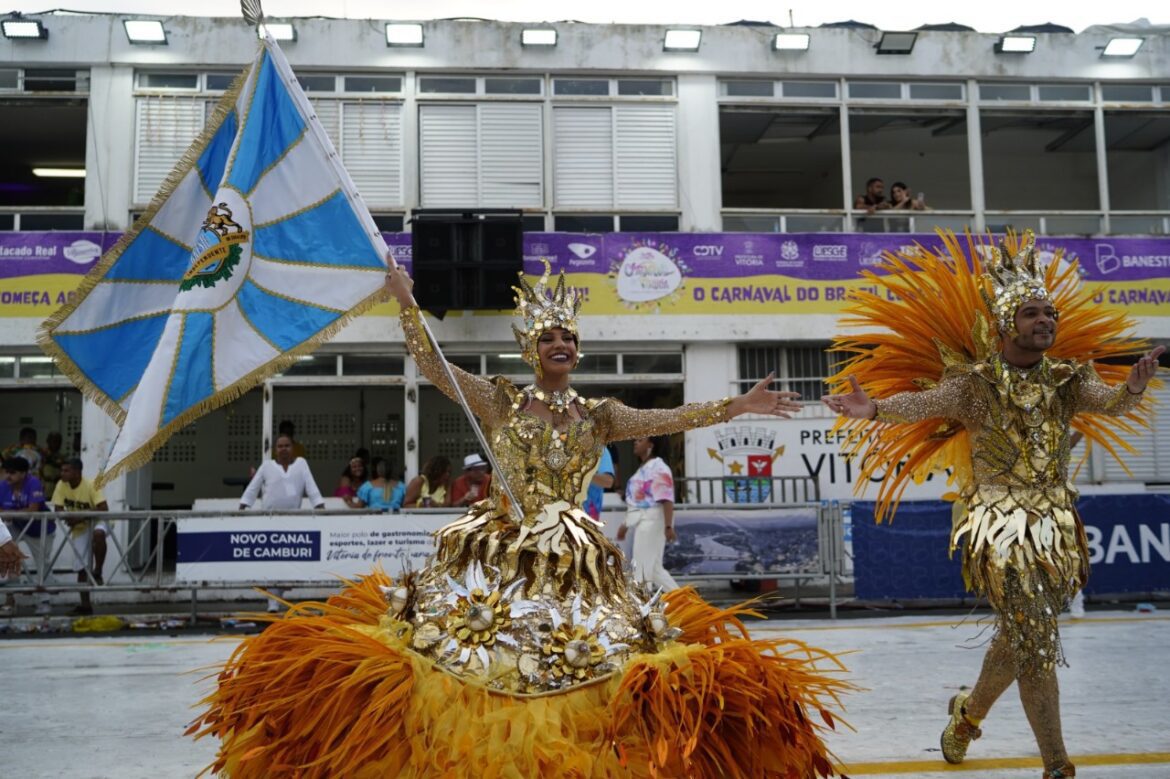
[(874, 197), (352, 478), (900, 198), (286, 427), (429, 488), (21, 491), (87, 535), (281, 483)]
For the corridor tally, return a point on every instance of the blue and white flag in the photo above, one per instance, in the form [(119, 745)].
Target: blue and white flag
[(256, 249)]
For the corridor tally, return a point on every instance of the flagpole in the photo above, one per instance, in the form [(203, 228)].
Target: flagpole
[(514, 505)]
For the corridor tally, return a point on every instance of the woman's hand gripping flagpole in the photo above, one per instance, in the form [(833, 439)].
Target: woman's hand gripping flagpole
[(401, 288)]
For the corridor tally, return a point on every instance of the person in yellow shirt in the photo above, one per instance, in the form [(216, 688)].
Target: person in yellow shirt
[(87, 535)]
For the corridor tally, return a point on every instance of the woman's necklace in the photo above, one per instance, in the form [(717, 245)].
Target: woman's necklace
[(558, 401)]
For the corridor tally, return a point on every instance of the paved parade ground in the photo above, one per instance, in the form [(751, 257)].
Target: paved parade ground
[(90, 708)]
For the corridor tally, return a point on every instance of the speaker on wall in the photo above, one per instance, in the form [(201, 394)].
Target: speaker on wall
[(466, 259)]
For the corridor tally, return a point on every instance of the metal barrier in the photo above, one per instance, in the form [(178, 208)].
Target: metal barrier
[(142, 558), (767, 491)]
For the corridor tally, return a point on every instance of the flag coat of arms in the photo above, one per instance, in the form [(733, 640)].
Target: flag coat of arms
[(256, 249)]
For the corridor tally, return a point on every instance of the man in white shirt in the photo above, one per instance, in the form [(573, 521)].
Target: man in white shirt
[(281, 483), (10, 554)]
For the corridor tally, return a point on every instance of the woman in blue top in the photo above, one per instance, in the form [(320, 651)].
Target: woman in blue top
[(381, 493)]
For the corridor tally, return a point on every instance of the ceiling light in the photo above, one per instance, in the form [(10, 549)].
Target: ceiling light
[(145, 31), (23, 28), (682, 40), (59, 173), (1016, 44), (538, 37), (404, 35), (896, 42), (1122, 47), (790, 41), (280, 31)]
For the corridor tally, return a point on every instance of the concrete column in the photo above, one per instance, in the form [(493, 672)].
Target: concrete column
[(700, 185), (410, 418), (109, 148)]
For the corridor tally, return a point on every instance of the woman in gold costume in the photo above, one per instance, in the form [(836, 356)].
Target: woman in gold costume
[(524, 648), (998, 409)]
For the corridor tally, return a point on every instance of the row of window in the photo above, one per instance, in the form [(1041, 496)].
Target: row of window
[(392, 84), (949, 91)]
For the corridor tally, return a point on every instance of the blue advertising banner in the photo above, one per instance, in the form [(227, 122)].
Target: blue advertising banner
[(1129, 548)]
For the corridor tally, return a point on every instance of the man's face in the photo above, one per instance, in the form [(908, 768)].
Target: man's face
[(15, 478), (476, 475), (70, 475), (284, 450), (877, 189), (1035, 326)]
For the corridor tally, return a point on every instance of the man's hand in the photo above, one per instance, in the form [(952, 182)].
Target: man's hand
[(1143, 370), (10, 559), (621, 534), (855, 404)]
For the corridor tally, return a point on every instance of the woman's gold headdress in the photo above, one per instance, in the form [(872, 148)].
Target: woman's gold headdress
[(540, 310), (1010, 280)]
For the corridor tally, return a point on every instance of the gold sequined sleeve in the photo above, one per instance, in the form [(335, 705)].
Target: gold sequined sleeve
[(619, 422), (1094, 396), (480, 392), (951, 399)]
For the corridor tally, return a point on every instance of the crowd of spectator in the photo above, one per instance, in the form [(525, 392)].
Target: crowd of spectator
[(39, 478)]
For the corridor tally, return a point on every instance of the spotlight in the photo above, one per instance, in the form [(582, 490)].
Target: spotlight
[(896, 42), (682, 40), (59, 173), (404, 35), (145, 31), (538, 38), (16, 27), (790, 41), (280, 31), (1122, 47), (1016, 44)]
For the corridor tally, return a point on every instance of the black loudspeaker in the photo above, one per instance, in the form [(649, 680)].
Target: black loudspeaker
[(466, 260)]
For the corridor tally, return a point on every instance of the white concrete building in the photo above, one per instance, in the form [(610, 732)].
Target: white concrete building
[(605, 130)]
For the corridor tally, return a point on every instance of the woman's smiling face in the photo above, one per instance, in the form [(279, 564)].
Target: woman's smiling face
[(557, 349)]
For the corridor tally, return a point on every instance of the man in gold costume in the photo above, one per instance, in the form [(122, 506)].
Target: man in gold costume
[(1023, 545)]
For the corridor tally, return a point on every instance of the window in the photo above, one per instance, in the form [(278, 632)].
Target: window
[(37, 367), (533, 223), (875, 90), (800, 369), (583, 223), (166, 126), (9, 78), (636, 223), (642, 87), (372, 365), (487, 155), (615, 157), (166, 80), (1005, 92), (37, 220), (446, 85), (811, 89), (311, 83), (936, 91), (7, 367), (581, 86), (1061, 92), (1128, 93), (389, 223), (373, 83), (219, 82), (748, 88), (7, 222), (55, 80), (652, 363), (512, 86)]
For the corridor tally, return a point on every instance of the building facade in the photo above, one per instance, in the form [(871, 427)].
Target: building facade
[(718, 159)]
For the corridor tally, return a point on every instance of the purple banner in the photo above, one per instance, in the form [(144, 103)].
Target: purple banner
[(812, 256)]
